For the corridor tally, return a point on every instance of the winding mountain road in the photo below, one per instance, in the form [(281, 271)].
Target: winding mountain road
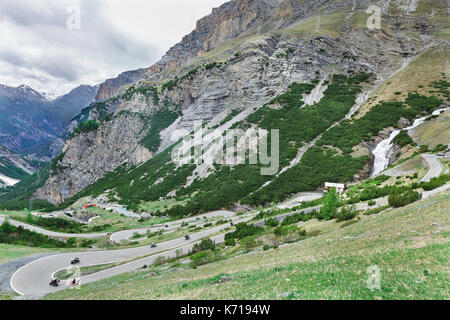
[(435, 167), (173, 225), (33, 279), (120, 235)]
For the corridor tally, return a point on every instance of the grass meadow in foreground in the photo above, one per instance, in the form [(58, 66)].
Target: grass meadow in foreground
[(409, 245), (10, 252)]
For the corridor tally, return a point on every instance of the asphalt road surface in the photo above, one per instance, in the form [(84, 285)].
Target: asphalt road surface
[(435, 167), (173, 225)]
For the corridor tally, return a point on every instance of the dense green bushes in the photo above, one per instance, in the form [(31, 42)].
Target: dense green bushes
[(204, 245), (422, 103), (160, 120), (403, 139), (244, 230), (386, 114), (297, 217), (330, 205), (346, 213), (303, 125), (434, 182), (146, 91), (55, 164), (19, 236), (86, 126), (402, 199), (171, 84), (53, 224), (271, 222)]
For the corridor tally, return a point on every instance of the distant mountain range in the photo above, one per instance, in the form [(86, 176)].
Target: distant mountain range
[(32, 125)]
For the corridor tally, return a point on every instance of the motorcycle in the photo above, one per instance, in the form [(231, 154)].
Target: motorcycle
[(73, 283), (153, 245), (187, 237), (54, 282), (75, 260)]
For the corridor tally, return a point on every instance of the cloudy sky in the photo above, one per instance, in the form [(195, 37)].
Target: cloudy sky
[(43, 44)]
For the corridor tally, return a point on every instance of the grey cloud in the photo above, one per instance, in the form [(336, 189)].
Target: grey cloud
[(67, 55)]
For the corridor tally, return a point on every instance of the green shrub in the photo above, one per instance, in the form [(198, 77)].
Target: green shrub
[(230, 242), (220, 222), (160, 120), (272, 222), (86, 126), (346, 214), (204, 245), (403, 139), (244, 230), (434, 182), (280, 231), (20, 236), (397, 200), (249, 242), (330, 205), (424, 148), (53, 224)]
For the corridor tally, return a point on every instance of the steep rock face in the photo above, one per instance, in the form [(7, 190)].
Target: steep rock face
[(109, 88), (229, 21), (88, 156), (265, 67)]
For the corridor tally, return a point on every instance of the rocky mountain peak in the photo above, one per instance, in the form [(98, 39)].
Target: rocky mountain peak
[(109, 88), (226, 22)]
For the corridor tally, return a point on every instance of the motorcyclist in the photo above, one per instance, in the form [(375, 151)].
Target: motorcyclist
[(54, 282), (187, 237), (74, 282), (74, 260)]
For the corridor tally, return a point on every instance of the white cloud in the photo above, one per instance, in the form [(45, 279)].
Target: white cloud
[(37, 48)]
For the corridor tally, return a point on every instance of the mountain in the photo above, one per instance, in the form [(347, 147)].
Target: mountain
[(333, 87), (109, 88), (14, 167), (70, 104), (32, 125)]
